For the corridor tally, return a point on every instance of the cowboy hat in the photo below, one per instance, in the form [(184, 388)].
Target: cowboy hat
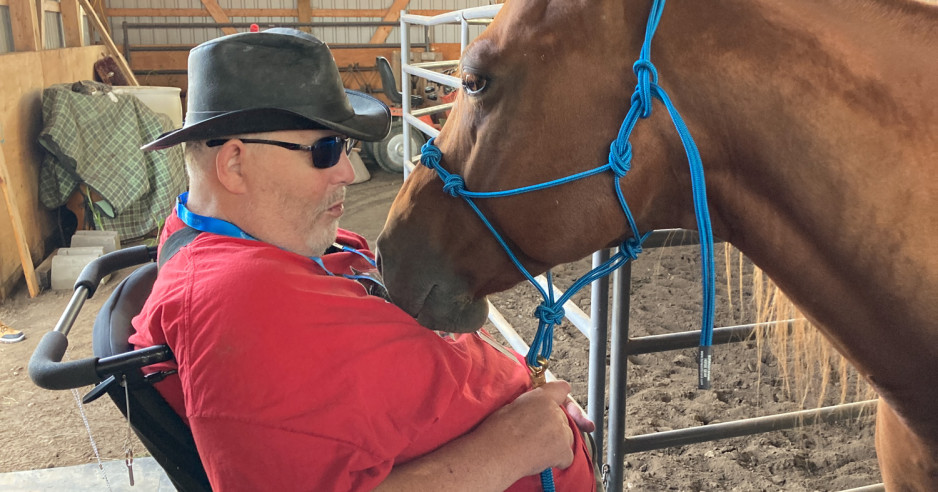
[(278, 79)]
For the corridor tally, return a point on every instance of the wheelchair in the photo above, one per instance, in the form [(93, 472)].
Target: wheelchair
[(116, 369)]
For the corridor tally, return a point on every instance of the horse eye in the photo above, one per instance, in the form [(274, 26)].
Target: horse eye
[(473, 84)]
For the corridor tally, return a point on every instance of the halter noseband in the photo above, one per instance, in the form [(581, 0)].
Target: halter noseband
[(550, 312)]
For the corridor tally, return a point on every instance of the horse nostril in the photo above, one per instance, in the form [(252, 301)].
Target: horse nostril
[(378, 261)]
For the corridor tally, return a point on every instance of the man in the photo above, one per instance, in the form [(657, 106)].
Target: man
[(291, 375)]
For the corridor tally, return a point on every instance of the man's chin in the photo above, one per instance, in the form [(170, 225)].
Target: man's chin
[(321, 242)]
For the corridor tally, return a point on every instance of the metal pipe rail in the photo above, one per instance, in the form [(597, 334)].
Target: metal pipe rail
[(455, 17), (437, 77), (463, 17), (432, 109), (126, 26), (433, 65), (745, 427)]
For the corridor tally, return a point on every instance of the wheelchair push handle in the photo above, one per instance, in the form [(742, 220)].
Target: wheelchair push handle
[(46, 368), (47, 371), (101, 267)]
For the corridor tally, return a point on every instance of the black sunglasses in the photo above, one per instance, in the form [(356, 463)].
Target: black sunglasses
[(326, 151)]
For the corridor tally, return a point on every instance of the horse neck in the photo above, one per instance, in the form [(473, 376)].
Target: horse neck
[(818, 128)]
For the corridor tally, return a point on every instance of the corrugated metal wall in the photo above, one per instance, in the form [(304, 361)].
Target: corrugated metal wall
[(6, 33), (331, 35), (54, 31)]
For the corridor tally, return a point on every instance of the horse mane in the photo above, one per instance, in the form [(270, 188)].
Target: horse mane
[(807, 363)]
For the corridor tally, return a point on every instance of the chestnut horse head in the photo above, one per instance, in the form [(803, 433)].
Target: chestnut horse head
[(817, 125)]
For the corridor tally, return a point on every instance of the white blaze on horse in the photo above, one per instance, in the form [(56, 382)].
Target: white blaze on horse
[(817, 124)]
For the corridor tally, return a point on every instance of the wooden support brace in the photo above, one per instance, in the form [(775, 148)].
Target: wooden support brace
[(392, 14), (108, 42), (219, 15), (32, 281), (41, 19)]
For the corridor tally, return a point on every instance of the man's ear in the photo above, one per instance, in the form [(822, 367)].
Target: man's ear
[(228, 166)]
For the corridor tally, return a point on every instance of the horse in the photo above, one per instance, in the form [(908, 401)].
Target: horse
[(817, 126)]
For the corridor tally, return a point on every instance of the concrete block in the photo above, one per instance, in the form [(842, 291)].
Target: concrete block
[(109, 240), (68, 263), (44, 271), (95, 251)]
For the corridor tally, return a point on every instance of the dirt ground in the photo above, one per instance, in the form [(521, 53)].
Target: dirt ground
[(40, 428)]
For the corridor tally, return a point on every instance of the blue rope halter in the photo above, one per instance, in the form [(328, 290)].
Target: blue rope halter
[(550, 312)]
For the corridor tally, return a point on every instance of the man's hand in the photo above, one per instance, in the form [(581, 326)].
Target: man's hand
[(536, 423), (578, 415), (525, 437)]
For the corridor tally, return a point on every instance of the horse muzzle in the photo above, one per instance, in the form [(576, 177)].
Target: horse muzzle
[(427, 289)]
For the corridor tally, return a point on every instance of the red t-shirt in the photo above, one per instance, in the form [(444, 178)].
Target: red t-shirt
[(296, 380)]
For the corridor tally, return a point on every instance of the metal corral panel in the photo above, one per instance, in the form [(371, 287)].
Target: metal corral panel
[(448, 33), (331, 35)]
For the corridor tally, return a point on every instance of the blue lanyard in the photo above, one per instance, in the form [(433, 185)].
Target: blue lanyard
[(224, 228), (207, 224)]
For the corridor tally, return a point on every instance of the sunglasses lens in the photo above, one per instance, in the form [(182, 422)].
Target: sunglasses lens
[(327, 151)]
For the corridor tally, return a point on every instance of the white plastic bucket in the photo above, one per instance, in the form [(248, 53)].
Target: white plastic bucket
[(164, 100)]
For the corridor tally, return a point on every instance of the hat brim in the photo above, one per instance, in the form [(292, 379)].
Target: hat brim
[(371, 122)]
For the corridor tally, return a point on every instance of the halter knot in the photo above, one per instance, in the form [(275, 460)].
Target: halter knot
[(620, 157), (552, 315), (647, 74), (631, 247), (430, 154), (454, 185)]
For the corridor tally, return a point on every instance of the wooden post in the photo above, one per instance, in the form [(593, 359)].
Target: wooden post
[(304, 13), (25, 24), (71, 23), (111, 47), (32, 282)]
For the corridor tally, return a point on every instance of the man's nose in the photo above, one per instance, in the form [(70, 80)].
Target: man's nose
[(343, 171)]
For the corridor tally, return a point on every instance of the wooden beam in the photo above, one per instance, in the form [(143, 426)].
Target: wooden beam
[(219, 15), (32, 281), (24, 21), (71, 23), (393, 14), (98, 7), (304, 13), (108, 42)]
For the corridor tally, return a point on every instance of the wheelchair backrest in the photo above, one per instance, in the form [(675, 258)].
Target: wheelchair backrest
[(159, 428)]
